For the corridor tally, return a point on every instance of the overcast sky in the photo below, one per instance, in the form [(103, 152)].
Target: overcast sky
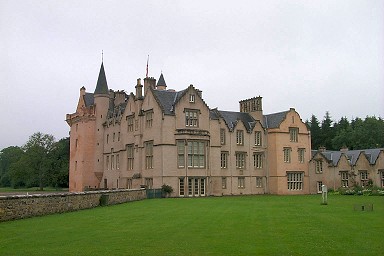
[(314, 56)]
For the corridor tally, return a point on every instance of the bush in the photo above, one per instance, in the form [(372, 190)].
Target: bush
[(167, 190)]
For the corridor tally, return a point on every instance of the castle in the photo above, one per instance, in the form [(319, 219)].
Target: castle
[(159, 136)]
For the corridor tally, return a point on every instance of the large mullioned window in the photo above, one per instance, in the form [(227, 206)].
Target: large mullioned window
[(295, 180), (196, 154)]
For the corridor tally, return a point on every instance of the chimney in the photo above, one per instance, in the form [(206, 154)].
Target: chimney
[(139, 89), (344, 149), (149, 82), (322, 149)]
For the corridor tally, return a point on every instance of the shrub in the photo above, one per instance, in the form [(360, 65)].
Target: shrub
[(166, 189)]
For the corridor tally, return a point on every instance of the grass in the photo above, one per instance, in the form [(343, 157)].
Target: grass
[(248, 225)]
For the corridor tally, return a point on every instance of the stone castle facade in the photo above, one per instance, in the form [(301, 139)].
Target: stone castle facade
[(159, 136)]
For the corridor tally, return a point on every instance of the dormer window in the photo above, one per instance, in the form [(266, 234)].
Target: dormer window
[(192, 98)]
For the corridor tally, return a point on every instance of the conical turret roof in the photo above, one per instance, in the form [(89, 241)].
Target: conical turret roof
[(161, 81), (101, 86)]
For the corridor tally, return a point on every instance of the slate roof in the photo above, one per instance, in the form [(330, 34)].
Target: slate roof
[(274, 120), (352, 155), (101, 86), (88, 99), (232, 118), (161, 81), (167, 99)]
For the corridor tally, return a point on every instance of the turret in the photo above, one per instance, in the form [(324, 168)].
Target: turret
[(101, 99), (161, 85)]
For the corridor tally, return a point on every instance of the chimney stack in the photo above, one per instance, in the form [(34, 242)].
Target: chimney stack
[(139, 89), (149, 82)]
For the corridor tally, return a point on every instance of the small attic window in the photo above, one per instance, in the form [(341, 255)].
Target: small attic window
[(192, 98)]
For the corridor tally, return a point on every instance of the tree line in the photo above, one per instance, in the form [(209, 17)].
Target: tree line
[(41, 162), (355, 134)]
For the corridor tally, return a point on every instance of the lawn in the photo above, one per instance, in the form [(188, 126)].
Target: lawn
[(247, 225)]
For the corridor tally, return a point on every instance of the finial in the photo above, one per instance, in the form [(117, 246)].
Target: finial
[(102, 56)]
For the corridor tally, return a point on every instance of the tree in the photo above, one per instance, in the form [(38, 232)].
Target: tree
[(314, 126), (327, 132), (8, 156), (59, 156), (37, 150)]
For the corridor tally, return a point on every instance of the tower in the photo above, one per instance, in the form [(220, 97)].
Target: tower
[(101, 102)]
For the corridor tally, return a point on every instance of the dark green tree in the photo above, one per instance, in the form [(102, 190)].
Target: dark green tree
[(314, 127), (8, 156), (35, 164), (59, 158), (327, 133)]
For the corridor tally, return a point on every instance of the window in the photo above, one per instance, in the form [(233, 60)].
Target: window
[(129, 183), (301, 154), (192, 98), (107, 162), (240, 160), (257, 138), (75, 165), (77, 143), (181, 186), (259, 182), (117, 161), (148, 118), (130, 157), (287, 155), (148, 154), (344, 179), (224, 182), (239, 137), (130, 123), (180, 154), (364, 178), (224, 160), (222, 136), (149, 183), (107, 138), (196, 154), (118, 136), (319, 166), (196, 186), (113, 137), (241, 182), (112, 162), (319, 187), (136, 125), (295, 180), (258, 160), (191, 118), (382, 178), (293, 134)]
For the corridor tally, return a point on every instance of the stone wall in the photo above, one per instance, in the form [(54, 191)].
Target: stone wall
[(25, 206)]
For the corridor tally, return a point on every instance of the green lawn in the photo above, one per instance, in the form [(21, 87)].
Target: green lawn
[(248, 225)]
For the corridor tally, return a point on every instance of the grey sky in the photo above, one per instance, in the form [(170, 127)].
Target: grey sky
[(315, 56)]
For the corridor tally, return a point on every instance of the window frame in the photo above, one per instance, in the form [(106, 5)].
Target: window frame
[(287, 154), (240, 137), (241, 160), (148, 146), (295, 181), (293, 134)]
